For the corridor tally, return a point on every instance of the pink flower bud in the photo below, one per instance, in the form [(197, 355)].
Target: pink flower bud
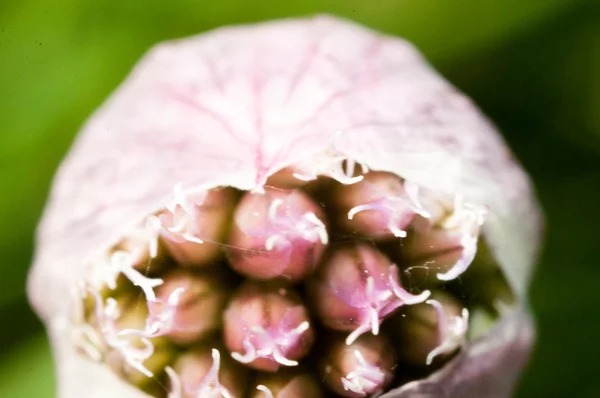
[(192, 227), (430, 331), (277, 234), (445, 243), (356, 288), (267, 327), (381, 205), (361, 369), (198, 309), (206, 373)]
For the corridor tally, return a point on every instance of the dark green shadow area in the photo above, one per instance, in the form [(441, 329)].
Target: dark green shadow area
[(28, 324)]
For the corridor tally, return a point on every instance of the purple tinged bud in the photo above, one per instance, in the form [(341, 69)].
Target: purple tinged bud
[(286, 383), (266, 327), (193, 304), (277, 234), (382, 205), (192, 227), (451, 330), (206, 373), (431, 332), (446, 242), (356, 288), (364, 368)]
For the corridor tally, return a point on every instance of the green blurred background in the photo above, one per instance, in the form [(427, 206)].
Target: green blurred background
[(532, 65)]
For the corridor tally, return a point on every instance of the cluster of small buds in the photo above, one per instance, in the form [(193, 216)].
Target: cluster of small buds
[(281, 293)]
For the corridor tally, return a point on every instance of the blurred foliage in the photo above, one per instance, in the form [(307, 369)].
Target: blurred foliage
[(533, 66), (27, 371)]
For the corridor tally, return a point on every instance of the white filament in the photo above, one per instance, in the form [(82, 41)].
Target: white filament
[(452, 331)]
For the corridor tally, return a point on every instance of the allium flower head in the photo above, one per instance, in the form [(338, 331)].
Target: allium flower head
[(254, 156)]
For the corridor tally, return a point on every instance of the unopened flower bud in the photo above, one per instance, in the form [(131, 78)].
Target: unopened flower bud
[(286, 383), (431, 332), (206, 372), (444, 244), (267, 327), (362, 369), (193, 226), (381, 205), (197, 301), (277, 234), (356, 288)]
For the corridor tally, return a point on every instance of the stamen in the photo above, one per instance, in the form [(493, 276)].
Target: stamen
[(281, 359), (265, 390), (161, 317), (397, 232), (469, 245), (381, 301), (452, 331), (249, 356), (374, 313), (106, 315), (467, 219), (321, 229), (412, 192), (331, 166), (175, 381), (152, 228), (364, 378), (404, 296), (273, 209), (210, 387), (270, 344), (272, 240), (351, 338), (309, 226), (181, 224), (374, 321), (396, 208), (357, 209), (124, 262)]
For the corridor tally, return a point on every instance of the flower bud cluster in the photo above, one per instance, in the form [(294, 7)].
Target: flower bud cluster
[(290, 291)]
